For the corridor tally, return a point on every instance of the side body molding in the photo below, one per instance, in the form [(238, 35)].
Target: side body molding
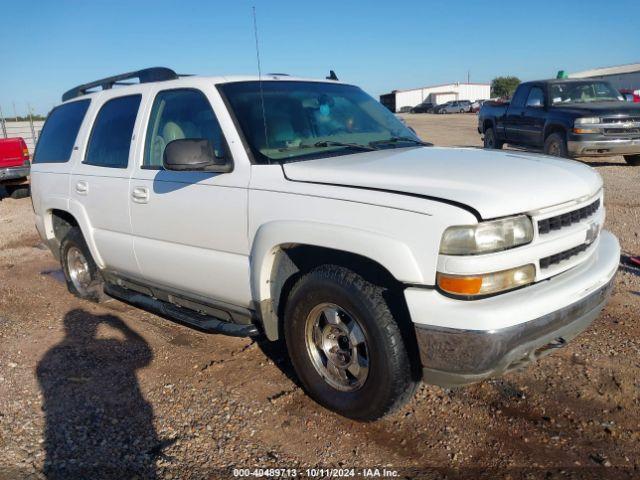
[(271, 237)]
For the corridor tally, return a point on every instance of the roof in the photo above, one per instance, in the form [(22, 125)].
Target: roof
[(618, 70), (452, 84), (191, 80)]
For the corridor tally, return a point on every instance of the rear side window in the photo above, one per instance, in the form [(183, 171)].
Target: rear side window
[(110, 139), (59, 133)]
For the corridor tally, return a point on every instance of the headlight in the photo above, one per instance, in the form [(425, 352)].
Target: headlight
[(486, 284), (586, 121), (486, 237)]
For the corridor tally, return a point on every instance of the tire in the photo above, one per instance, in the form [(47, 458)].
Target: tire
[(461, 111), (80, 271), (556, 145), (362, 324), (490, 140), (632, 160), (18, 191)]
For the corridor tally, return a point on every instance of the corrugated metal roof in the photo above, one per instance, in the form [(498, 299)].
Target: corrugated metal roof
[(596, 72)]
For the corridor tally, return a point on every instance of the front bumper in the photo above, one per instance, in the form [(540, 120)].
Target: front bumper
[(590, 148), (563, 306), (13, 173)]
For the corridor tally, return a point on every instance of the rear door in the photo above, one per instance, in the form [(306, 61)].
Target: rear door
[(513, 126), (100, 182), (190, 228)]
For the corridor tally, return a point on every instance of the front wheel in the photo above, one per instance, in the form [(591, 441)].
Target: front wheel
[(632, 160), (345, 344), (556, 145)]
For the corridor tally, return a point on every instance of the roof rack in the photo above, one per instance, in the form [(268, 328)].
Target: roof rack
[(146, 75)]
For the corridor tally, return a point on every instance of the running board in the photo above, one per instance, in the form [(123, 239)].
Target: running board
[(206, 323)]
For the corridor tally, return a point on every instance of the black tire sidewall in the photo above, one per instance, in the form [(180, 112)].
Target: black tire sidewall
[(562, 145), (489, 134), (74, 238), (633, 160), (375, 396)]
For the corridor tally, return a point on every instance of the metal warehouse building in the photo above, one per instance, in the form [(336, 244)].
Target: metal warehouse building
[(437, 94), (623, 77)]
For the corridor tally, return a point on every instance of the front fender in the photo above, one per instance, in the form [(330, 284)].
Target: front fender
[(390, 253)]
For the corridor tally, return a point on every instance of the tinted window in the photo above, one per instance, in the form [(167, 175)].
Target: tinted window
[(59, 133), (519, 96), (111, 135), (536, 97), (179, 114)]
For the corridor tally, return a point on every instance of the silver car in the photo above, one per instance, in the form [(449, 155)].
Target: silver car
[(455, 106)]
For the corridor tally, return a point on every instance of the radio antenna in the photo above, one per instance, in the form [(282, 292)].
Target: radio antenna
[(264, 115)]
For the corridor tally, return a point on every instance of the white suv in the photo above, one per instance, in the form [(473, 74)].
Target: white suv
[(304, 210)]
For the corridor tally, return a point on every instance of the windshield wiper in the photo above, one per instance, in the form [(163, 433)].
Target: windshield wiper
[(394, 140), (331, 143)]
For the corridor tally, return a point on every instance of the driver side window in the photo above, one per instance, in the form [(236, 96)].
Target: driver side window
[(179, 114)]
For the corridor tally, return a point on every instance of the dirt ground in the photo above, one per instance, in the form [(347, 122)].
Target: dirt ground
[(94, 391)]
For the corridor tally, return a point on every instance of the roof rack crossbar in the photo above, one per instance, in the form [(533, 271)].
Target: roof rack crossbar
[(147, 75)]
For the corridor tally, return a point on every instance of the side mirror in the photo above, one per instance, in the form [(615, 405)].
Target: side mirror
[(193, 154)]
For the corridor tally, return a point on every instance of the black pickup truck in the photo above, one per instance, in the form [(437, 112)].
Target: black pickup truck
[(565, 117)]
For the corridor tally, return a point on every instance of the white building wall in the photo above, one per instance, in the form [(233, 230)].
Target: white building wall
[(452, 91)]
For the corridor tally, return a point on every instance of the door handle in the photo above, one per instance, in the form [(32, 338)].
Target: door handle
[(82, 187), (140, 194)]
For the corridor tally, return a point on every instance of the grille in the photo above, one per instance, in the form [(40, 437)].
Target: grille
[(567, 219), (622, 131), (620, 119), (559, 257)]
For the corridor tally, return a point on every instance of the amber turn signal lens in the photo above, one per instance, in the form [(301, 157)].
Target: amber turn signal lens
[(460, 285), (584, 130), (487, 283)]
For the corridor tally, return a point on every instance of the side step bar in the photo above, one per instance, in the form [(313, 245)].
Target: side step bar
[(203, 322)]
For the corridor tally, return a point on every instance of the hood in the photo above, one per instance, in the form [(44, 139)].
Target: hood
[(601, 108), (492, 182)]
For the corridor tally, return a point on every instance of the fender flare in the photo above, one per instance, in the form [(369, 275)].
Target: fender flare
[(390, 253)]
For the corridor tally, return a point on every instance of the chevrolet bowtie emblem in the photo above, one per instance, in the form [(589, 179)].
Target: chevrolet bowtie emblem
[(592, 233)]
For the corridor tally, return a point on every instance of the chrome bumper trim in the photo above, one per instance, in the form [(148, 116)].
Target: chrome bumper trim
[(452, 357), (619, 146), (12, 173)]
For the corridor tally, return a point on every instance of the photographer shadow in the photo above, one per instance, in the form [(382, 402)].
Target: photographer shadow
[(98, 424)]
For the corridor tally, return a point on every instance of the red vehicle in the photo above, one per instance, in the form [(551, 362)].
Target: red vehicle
[(14, 166)]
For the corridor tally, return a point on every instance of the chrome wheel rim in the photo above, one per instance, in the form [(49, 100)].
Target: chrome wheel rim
[(78, 269), (337, 347), (554, 149)]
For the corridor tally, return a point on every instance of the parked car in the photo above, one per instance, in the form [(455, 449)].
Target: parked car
[(14, 166), (631, 95), (476, 105), (456, 106), (304, 210), (424, 107), (566, 118)]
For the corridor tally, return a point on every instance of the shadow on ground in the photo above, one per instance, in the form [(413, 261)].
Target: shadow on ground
[(98, 424)]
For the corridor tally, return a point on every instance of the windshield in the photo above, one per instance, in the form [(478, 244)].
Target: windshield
[(583, 92), (304, 120)]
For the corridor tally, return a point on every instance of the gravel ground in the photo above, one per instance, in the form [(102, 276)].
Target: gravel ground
[(109, 391)]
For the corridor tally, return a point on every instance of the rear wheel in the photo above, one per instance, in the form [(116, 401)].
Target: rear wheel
[(345, 344), (632, 160), (17, 191), (490, 140), (80, 271), (556, 145)]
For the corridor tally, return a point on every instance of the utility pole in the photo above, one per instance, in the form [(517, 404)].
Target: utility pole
[(4, 127), (15, 113), (468, 76), (33, 130)]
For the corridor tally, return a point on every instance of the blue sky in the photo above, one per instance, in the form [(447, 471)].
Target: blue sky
[(48, 47)]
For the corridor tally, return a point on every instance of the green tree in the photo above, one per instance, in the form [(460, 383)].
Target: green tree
[(503, 87)]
